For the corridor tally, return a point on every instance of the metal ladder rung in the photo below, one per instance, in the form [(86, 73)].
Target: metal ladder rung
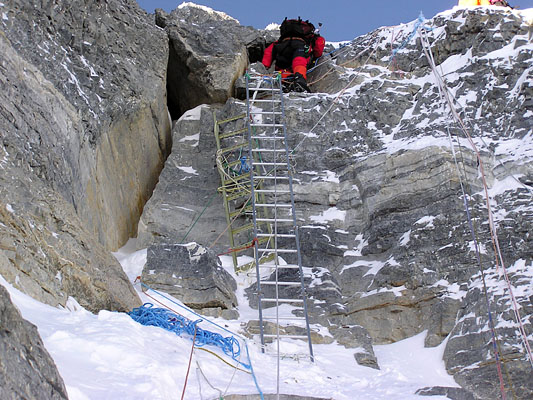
[(257, 89), (283, 235), (233, 148), (273, 283), (265, 101), (268, 125), (237, 195), (286, 266), (242, 228), (270, 177), (281, 335), (274, 220), (282, 300), (280, 250), (270, 164), (232, 164), (239, 211), (269, 137), (237, 178), (231, 119), (285, 318), (274, 205), (271, 191), (266, 112), (230, 134)]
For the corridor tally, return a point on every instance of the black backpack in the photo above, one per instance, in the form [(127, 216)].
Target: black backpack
[(297, 28), (501, 3)]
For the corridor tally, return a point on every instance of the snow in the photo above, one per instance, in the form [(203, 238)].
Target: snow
[(193, 114), (272, 27), (406, 237), (208, 10), (188, 170), (427, 221), (5, 17), (330, 177), (108, 355), (9, 208), (332, 213)]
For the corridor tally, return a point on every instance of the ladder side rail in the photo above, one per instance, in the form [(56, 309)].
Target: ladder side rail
[(252, 189), (296, 231)]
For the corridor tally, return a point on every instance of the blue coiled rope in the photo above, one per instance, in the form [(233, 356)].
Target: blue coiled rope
[(148, 315)]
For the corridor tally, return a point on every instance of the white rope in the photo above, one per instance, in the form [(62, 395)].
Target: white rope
[(499, 258)]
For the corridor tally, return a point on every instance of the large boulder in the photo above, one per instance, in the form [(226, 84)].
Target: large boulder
[(208, 52), (192, 274), (26, 369)]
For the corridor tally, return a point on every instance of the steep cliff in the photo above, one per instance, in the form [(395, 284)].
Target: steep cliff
[(382, 201), (84, 134), (394, 252)]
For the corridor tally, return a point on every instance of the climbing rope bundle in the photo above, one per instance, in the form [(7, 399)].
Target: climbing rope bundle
[(148, 315)]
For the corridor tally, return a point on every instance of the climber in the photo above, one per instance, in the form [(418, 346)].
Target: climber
[(473, 3), (298, 46)]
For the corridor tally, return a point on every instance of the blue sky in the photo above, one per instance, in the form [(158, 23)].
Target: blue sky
[(342, 19)]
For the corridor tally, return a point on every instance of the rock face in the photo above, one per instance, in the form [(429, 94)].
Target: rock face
[(381, 203), (26, 369), (192, 274), (208, 52), (186, 205), (84, 133)]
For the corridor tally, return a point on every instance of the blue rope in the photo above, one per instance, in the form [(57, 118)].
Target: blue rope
[(163, 318), (244, 167), (418, 23), (218, 326), (252, 370)]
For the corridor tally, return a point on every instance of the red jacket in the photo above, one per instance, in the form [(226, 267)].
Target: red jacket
[(316, 50)]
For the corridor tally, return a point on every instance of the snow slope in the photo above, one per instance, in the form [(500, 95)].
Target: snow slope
[(110, 356)]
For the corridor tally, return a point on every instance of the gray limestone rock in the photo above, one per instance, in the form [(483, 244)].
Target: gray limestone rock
[(450, 392), (83, 105), (208, 52), (379, 200), (192, 274), (47, 253), (26, 369)]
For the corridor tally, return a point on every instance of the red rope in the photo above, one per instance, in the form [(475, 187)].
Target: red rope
[(254, 241), (189, 366)]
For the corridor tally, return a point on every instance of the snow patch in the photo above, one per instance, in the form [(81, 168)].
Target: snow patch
[(427, 220), (194, 114), (208, 10), (188, 170), (329, 215), (406, 237)]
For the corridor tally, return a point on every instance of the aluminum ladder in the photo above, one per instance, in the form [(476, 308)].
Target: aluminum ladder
[(279, 283)]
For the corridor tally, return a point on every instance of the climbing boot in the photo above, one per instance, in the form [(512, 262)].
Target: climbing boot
[(299, 84)]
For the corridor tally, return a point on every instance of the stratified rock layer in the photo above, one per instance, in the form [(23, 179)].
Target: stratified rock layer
[(84, 132), (381, 202)]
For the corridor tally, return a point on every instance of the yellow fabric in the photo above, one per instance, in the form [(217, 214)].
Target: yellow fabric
[(472, 3)]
